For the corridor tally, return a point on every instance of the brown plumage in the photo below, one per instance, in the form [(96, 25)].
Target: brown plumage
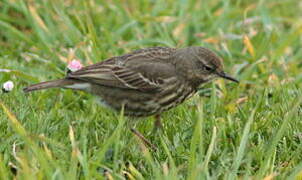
[(147, 81)]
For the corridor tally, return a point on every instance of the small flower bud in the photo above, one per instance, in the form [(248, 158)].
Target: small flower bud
[(8, 86), (74, 65)]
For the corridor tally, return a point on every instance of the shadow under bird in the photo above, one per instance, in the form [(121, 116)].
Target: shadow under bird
[(147, 81)]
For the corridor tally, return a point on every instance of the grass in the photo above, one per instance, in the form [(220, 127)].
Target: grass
[(248, 131)]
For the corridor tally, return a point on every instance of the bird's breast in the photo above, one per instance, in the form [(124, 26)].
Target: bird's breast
[(174, 94)]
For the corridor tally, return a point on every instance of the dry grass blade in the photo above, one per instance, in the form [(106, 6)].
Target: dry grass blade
[(249, 45), (13, 121)]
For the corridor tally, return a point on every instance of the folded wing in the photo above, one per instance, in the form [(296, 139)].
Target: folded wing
[(115, 76), (139, 71)]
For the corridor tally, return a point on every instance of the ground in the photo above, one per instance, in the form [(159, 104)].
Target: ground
[(227, 131)]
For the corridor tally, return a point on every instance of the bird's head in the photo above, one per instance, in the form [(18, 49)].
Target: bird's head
[(203, 65)]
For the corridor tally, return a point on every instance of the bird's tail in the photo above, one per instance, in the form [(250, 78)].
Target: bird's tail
[(49, 84)]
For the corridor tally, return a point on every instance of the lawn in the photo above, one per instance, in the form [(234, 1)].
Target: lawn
[(251, 130)]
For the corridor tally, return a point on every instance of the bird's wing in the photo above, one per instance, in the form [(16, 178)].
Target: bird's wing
[(141, 70)]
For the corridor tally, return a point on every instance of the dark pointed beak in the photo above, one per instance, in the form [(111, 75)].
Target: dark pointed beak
[(228, 77)]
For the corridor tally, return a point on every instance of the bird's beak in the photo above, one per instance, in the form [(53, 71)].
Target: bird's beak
[(228, 77)]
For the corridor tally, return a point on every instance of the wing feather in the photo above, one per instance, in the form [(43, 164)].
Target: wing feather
[(116, 76), (127, 71)]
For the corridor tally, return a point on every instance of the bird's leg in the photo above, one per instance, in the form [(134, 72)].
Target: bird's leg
[(145, 141), (157, 126), (157, 123)]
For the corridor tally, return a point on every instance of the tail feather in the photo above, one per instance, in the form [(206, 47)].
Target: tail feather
[(49, 84)]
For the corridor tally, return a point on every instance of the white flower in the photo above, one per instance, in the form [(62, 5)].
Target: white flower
[(8, 86), (74, 65)]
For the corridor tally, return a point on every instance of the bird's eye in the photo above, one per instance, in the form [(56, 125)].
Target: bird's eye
[(208, 68)]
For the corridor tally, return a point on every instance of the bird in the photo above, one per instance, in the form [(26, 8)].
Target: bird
[(147, 81)]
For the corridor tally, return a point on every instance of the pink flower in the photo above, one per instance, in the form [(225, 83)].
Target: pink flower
[(8, 86), (74, 65)]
